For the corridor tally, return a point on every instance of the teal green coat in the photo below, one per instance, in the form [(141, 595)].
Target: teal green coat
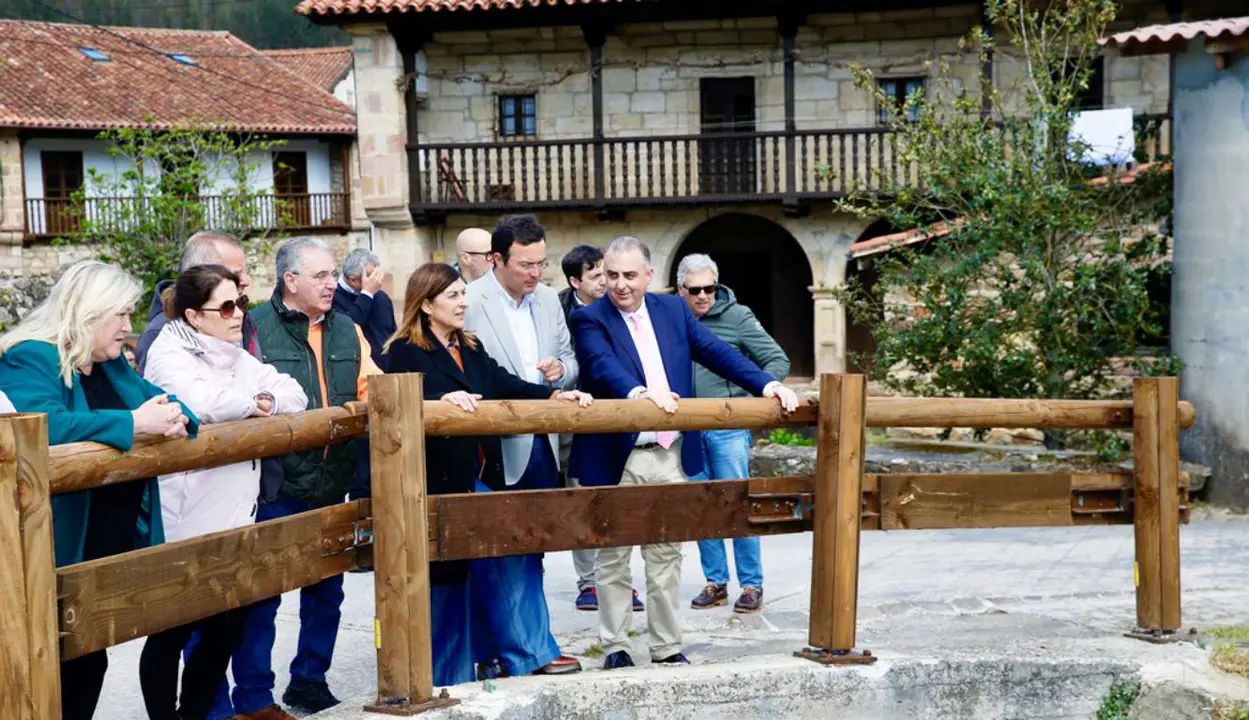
[(30, 375)]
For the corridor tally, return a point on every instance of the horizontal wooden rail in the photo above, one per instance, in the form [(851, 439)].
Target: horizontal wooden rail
[(115, 599), (80, 466)]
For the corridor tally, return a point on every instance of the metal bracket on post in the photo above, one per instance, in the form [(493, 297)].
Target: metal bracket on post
[(403, 707), (772, 508)]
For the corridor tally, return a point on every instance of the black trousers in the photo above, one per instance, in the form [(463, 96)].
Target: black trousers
[(81, 681), (205, 669)]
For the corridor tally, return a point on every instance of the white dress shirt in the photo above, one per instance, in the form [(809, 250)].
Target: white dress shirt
[(524, 331)]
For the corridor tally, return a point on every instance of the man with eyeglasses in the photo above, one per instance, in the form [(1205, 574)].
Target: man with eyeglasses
[(302, 336), (473, 254), (726, 453), (520, 323)]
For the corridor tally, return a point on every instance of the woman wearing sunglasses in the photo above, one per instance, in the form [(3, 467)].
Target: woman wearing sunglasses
[(199, 352)]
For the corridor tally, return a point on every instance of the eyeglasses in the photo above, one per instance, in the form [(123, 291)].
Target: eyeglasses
[(702, 290), (473, 252), (533, 266), (229, 307), (321, 277)]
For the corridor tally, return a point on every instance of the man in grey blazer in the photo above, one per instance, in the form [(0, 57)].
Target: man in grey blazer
[(520, 324)]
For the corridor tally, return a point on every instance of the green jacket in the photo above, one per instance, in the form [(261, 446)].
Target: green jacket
[(30, 376), (736, 325), (319, 476)]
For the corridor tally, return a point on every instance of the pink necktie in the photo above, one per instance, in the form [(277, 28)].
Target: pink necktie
[(653, 368)]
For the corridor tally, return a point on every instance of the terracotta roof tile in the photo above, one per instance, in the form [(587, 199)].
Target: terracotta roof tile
[(47, 81), (1167, 36), (343, 7), (324, 67)]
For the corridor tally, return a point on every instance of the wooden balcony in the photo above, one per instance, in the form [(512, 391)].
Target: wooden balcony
[(52, 217), (651, 171), (794, 168)]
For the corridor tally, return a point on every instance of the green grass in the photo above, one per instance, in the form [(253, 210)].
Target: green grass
[(1228, 632), (1118, 701), (781, 436), (594, 651)]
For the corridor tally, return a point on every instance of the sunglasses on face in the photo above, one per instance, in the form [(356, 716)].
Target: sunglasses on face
[(227, 308), (701, 290)]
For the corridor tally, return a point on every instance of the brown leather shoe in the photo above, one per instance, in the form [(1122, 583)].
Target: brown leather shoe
[(712, 596), (561, 665), (750, 601), (273, 712)]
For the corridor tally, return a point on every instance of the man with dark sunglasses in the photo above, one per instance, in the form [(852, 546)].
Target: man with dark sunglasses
[(207, 247), (727, 452)]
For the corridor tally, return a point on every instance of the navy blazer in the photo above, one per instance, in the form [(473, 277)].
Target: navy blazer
[(610, 368), (375, 316)]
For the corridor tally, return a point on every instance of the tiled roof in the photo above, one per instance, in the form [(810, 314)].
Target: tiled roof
[(1168, 37), (344, 7), (323, 67), (48, 81)]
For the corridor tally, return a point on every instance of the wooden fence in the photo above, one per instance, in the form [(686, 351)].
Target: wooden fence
[(49, 614)]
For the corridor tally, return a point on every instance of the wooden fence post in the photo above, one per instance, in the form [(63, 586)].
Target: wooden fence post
[(402, 627), (1155, 431), (837, 514), (29, 657)]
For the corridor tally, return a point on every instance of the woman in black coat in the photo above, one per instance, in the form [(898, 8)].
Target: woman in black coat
[(432, 341)]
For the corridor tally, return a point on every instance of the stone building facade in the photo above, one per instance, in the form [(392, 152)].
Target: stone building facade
[(462, 169)]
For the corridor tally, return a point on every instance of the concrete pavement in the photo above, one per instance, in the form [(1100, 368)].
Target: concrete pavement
[(1033, 601)]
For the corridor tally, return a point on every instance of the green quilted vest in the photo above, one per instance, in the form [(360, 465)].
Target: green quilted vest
[(319, 476)]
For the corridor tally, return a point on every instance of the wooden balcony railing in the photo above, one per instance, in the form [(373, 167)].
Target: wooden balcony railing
[(684, 169), (675, 170), (55, 217)]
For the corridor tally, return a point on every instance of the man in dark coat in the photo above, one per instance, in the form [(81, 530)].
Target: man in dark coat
[(360, 296)]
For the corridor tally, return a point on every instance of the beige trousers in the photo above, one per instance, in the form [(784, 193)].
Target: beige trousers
[(663, 569)]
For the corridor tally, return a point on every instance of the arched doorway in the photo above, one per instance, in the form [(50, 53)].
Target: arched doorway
[(768, 272)]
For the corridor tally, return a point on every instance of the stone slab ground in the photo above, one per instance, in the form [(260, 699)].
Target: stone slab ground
[(1018, 623)]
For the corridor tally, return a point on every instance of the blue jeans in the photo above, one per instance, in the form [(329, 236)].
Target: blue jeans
[(511, 621), (450, 611), (320, 608), (726, 456)]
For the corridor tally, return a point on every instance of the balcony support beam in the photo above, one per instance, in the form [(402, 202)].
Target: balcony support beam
[(595, 38), (409, 41), (787, 24)]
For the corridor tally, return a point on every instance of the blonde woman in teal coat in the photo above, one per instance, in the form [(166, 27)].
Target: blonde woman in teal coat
[(65, 359)]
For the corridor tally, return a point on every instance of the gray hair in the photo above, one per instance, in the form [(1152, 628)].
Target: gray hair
[(697, 262), (627, 243), (202, 248), (290, 255), (357, 260)]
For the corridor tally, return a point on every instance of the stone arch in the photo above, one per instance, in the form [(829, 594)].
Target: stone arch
[(769, 271)]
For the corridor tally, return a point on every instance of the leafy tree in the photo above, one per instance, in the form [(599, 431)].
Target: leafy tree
[(175, 183), (1040, 284)]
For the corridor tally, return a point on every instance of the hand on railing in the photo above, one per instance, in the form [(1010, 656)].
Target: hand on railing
[(581, 398), (463, 400), (158, 416), (666, 401), (787, 397)]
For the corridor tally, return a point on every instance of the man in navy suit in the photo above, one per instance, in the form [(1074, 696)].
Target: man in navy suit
[(632, 344)]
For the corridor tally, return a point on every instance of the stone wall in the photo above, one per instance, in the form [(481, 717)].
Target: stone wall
[(12, 205), (652, 72)]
